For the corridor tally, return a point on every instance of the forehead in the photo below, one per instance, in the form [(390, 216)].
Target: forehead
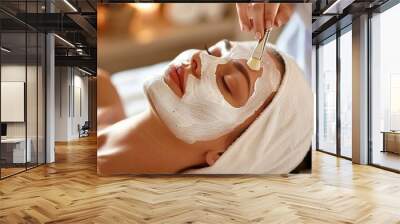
[(234, 49), (226, 44)]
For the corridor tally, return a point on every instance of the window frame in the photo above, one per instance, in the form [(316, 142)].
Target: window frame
[(334, 37)]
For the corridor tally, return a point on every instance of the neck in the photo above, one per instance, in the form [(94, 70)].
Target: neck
[(152, 135)]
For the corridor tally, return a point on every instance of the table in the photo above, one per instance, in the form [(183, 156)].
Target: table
[(13, 150), (391, 141)]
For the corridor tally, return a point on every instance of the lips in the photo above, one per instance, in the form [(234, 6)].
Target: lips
[(176, 74)]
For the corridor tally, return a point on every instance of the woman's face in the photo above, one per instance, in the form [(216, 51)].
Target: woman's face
[(206, 94), (235, 79)]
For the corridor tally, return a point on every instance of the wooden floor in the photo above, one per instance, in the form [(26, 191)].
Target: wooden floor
[(69, 191), (387, 159), (10, 171), (5, 172)]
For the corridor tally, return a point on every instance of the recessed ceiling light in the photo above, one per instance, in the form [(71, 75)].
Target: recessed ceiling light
[(5, 50), (65, 41), (337, 7), (84, 71), (70, 5)]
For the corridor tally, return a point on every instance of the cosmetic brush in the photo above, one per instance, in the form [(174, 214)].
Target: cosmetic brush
[(254, 61)]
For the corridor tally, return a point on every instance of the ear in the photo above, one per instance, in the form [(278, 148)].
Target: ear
[(212, 156)]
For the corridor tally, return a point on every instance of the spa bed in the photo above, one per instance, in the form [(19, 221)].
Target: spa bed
[(129, 86)]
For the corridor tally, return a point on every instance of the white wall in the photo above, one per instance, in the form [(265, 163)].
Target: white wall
[(81, 102), (33, 126), (16, 73), (71, 94), (12, 100), (61, 103)]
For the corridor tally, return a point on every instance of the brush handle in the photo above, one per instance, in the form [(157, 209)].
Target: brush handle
[(265, 40), (259, 50)]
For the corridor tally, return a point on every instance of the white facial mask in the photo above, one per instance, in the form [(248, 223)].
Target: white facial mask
[(203, 113)]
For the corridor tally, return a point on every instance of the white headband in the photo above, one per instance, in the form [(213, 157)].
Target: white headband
[(279, 139)]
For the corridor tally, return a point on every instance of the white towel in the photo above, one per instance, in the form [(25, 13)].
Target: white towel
[(278, 140)]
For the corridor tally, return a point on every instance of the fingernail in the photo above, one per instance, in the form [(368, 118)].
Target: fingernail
[(278, 23), (268, 24), (258, 35)]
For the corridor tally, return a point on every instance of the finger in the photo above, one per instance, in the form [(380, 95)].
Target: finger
[(283, 15), (244, 19), (257, 15), (101, 138), (270, 11), (104, 117)]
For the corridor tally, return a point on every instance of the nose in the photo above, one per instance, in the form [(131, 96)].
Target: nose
[(195, 65)]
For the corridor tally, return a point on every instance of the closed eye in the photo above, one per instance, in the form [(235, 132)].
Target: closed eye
[(213, 51), (243, 71), (206, 49), (226, 86)]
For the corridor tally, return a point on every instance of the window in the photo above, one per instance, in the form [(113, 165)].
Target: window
[(314, 89), (22, 77), (346, 94), (394, 102), (327, 97), (13, 147), (385, 89)]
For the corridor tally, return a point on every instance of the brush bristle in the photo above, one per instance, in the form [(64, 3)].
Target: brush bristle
[(254, 63)]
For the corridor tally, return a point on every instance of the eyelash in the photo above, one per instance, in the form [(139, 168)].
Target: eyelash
[(206, 49)]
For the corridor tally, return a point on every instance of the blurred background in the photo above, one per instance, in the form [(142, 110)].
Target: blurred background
[(137, 40), (138, 34)]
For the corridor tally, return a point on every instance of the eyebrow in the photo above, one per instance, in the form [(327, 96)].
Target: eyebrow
[(243, 70), (228, 44)]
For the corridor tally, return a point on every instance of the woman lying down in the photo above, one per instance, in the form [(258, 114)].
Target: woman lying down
[(210, 114)]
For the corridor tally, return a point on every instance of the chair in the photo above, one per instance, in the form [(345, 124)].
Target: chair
[(84, 130)]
